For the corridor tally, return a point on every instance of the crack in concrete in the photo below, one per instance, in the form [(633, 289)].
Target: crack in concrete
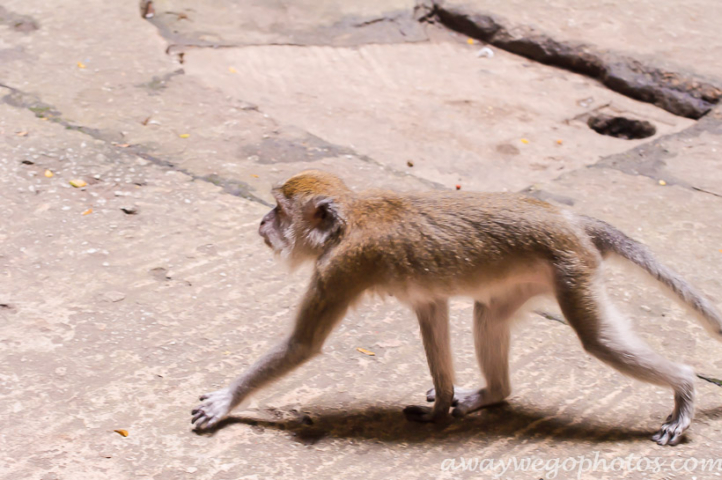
[(680, 94), (22, 100)]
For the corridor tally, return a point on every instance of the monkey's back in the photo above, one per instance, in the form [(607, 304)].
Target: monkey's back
[(454, 237)]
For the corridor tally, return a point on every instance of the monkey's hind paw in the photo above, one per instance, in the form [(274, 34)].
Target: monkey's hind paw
[(215, 407), (672, 431)]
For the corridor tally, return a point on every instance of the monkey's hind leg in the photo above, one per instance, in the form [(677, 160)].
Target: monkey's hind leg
[(491, 340), (434, 322), (607, 336)]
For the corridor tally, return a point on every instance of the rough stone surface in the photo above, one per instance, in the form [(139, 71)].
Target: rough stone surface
[(679, 37), (680, 94), (114, 321)]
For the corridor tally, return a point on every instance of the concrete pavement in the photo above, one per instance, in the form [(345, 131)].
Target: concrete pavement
[(123, 300)]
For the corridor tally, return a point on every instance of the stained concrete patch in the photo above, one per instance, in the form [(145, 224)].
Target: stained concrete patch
[(17, 22), (219, 23), (294, 146)]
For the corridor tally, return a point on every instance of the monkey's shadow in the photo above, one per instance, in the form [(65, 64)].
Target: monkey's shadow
[(388, 424)]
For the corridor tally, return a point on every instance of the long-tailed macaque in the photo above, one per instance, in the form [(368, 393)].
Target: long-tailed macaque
[(499, 249)]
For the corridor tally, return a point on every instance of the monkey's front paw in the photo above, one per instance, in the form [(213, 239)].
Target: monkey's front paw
[(415, 413), (215, 407), (672, 431)]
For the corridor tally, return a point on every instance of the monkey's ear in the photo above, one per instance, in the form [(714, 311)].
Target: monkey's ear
[(323, 216)]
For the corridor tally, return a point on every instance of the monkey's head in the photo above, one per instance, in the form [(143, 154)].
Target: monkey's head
[(308, 216)]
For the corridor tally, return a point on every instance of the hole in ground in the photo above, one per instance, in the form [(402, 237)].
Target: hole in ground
[(621, 127)]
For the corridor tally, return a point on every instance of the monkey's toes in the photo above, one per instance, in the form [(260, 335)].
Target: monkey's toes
[(670, 434), (672, 431)]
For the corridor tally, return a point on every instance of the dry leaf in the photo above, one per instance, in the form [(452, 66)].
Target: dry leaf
[(122, 432), (79, 183), (123, 145), (254, 175), (559, 142), (662, 182), (184, 135), (524, 141), (470, 41), (366, 352), (49, 174), (87, 212), (232, 70), (81, 65), (22, 134), (409, 163)]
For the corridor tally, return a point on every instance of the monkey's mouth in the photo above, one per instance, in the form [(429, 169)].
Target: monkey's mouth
[(267, 242)]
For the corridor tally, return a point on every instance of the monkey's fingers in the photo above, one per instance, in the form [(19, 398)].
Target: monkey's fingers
[(416, 413), (197, 413)]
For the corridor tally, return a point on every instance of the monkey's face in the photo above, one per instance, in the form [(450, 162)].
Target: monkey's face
[(273, 229), (300, 229)]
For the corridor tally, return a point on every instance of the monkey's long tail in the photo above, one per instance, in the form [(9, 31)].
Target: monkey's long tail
[(608, 239)]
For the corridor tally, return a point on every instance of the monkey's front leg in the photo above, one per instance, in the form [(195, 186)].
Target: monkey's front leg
[(282, 359), (434, 322), (316, 319)]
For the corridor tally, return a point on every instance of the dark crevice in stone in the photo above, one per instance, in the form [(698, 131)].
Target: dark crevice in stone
[(621, 127), (677, 93)]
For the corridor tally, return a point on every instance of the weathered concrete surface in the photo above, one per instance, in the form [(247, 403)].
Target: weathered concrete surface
[(677, 36), (499, 116), (111, 320)]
